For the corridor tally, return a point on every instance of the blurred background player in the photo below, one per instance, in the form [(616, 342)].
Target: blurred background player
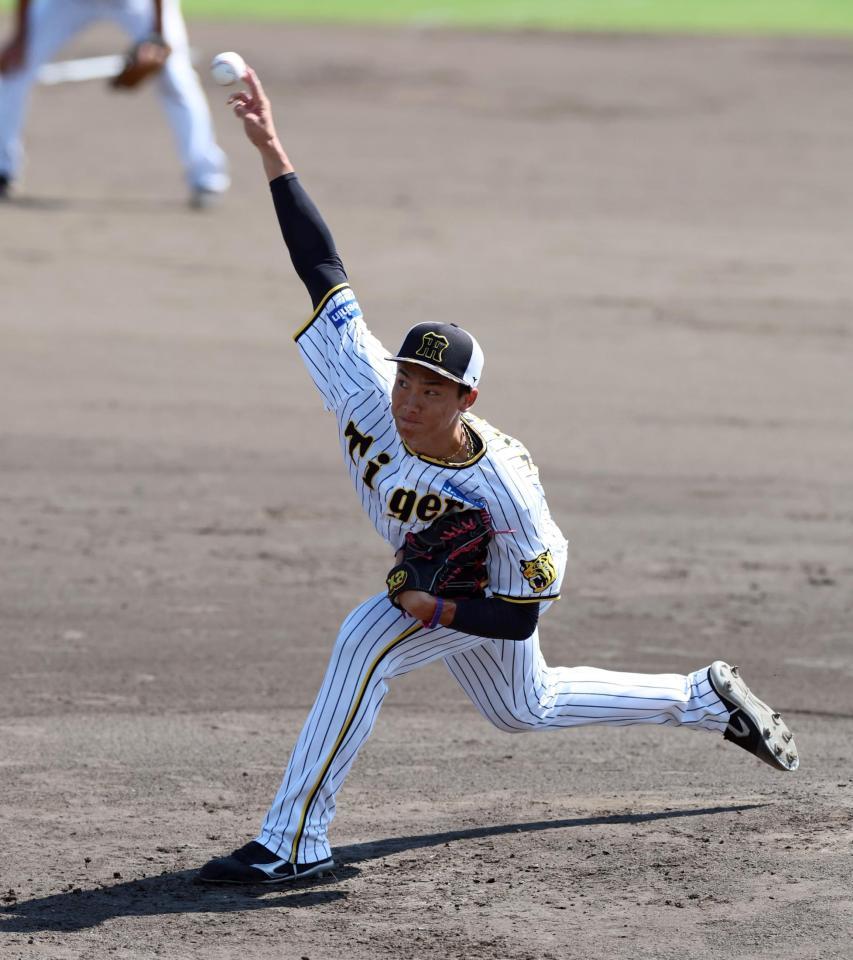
[(43, 26)]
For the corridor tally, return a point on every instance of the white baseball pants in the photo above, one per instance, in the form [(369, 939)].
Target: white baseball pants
[(508, 681), (53, 22)]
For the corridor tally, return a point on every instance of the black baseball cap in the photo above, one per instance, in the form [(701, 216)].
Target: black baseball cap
[(445, 348)]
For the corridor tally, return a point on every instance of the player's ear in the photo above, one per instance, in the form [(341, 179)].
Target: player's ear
[(466, 401)]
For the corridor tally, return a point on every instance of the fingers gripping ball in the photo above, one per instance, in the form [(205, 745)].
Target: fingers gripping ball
[(227, 68), (447, 558)]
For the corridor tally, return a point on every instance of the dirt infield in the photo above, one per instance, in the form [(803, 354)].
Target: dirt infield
[(651, 238)]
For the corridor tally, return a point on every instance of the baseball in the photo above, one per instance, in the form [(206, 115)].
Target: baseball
[(228, 68)]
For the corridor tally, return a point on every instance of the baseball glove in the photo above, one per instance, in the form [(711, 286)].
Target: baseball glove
[(143, 60), (447, 558)]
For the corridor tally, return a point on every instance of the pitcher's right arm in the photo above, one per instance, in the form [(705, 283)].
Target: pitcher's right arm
[(341, 354)]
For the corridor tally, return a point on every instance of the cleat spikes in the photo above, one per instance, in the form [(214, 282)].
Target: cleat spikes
[(753, 725)]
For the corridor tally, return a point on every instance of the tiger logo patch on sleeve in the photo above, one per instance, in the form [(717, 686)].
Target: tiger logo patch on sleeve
[(540, 572)]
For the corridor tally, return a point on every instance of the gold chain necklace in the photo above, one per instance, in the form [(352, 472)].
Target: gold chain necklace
[(466, 448)]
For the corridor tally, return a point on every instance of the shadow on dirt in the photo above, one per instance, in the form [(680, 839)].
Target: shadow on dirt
[(170, 893), (38, 204), (83, 204), (161, 895), (374, 849)]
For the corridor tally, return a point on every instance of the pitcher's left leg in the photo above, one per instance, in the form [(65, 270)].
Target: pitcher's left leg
[(513, 687)]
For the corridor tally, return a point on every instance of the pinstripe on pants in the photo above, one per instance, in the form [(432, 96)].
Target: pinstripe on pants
[(508, 681)]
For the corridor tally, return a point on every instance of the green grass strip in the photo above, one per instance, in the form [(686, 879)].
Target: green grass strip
[(691, 16), (806, 17)]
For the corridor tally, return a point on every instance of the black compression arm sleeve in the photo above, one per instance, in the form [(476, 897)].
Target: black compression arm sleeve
[(308, 239), (496, 619)]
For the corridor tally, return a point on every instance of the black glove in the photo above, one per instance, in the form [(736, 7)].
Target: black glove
[(447, 558)]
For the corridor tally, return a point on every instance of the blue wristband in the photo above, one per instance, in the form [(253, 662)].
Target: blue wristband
[(436, 616)]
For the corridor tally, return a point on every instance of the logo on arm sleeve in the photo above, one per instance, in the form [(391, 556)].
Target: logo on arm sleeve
[(540, 572), (343, 307)]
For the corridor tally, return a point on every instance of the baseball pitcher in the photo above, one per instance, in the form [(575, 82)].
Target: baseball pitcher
[(479, 558)]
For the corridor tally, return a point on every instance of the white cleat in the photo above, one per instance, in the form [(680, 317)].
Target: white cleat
[(752, 724)]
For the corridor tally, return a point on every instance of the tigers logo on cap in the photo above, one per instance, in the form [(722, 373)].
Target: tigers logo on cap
[(432, 347), (445, 348)]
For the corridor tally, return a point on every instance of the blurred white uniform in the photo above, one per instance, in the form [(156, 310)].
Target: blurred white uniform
[(51, 23)]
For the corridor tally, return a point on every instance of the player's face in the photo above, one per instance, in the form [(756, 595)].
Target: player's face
[(426, 407)]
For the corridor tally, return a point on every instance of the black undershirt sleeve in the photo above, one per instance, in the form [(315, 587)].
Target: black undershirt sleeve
[(309, 241), (496, 619)]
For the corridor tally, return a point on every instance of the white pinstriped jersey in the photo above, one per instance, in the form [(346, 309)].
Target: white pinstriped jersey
[(403, 491)]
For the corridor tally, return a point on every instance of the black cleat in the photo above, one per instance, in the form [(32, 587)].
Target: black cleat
[(752, 724), (255, 864), (5, 187)]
